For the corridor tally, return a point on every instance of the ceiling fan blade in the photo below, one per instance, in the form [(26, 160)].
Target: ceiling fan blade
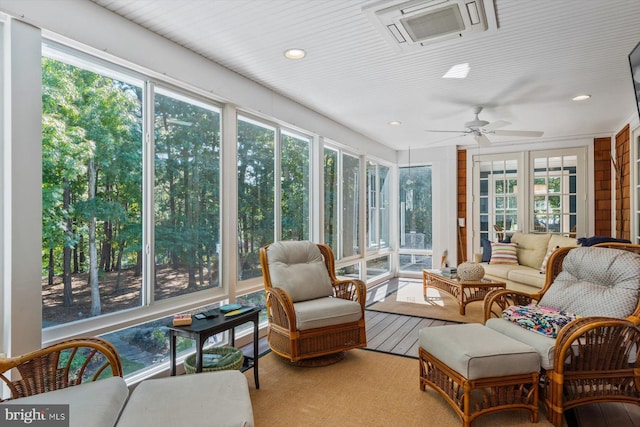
[(448, 131), (482, 140), (532, 133), (497, 124)]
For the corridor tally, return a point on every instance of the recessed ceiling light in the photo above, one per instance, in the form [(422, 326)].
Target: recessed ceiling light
[(395, 123), (295, 53), (581, 97), (459, 71)]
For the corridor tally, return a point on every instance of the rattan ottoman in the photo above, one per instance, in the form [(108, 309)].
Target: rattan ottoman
[(478, 370)]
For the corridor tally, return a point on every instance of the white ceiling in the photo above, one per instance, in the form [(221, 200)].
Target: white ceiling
[(543, 53)]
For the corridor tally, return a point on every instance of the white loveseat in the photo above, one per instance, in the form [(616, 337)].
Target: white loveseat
[(528, 275)]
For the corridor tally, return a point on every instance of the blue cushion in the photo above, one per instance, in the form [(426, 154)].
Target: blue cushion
[(594, 240), (486, 250)]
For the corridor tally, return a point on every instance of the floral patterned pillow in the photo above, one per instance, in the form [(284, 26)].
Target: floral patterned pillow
[(543, 320)]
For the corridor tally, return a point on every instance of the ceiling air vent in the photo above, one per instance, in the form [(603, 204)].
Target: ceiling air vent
[(411, 25)]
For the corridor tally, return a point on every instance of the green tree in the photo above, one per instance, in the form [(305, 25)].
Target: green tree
[(91, 166)]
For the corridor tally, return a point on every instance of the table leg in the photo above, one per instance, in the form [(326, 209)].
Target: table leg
[(424, 285), (232, 337), (172, 353), (255, 350), (199, 344)]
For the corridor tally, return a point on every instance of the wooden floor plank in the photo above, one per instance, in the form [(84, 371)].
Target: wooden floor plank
[(407, 328), (388, 333), (409, 345), (379, 327)]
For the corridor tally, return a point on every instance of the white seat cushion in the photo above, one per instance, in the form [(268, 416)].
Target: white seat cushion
[(544, 346), (219, 399), (527, 275), (475, 351), (94, 404), (327, 311)]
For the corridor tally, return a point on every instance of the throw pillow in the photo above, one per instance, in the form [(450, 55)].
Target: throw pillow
[(594, 240), (486, 250), (543, 320), (543, 267), (503, 253)]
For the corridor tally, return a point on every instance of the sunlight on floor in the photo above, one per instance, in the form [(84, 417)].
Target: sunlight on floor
[(381, 293), (414, 294)]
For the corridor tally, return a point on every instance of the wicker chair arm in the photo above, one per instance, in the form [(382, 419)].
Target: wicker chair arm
[(61, 365), (280, 308), (497, 300), (596, 344), (351, 289)]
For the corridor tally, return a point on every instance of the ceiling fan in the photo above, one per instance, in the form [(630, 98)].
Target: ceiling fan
[(481, 128)]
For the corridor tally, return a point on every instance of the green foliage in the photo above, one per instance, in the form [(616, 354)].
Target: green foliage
[(88, 116), (415, 191)]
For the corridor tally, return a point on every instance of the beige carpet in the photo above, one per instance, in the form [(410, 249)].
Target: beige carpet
[(409, 300), (365, 389)]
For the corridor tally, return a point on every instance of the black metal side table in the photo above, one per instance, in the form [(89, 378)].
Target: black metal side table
[(202, 329)]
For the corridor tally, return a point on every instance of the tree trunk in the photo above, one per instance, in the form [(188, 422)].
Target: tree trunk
[(105, 256), (118, 265), (83, 256), (93, 252), (66, 251), (51, 268), (76, 267), (138, 270)]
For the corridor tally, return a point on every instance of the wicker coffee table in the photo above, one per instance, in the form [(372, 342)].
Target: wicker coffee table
[(463, 291)]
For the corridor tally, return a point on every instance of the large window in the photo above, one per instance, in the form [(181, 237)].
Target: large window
[(415, 218), (342, 203), (378, 205), (100, 186), (295, 186), (270, 175), (331, 205), (186, 196), (256, 148), (350, 206), (91, 191)]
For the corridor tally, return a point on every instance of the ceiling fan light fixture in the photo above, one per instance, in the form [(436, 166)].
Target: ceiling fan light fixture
[(458, 71), (295, 53), (582, 97)]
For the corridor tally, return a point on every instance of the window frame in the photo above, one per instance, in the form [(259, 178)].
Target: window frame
[(525, 173), (149, 309)]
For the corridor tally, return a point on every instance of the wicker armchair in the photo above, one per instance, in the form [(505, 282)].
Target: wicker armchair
[(310, 312), (595, 358), (68, 363)]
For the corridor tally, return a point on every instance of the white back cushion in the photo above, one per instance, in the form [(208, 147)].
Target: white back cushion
[(299, 269)]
